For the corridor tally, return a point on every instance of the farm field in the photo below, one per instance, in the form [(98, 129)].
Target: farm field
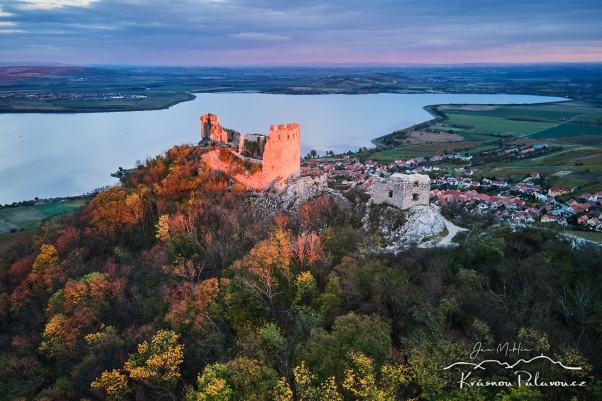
[(567, 130), (59, 207), (18, 218), (591, 140), (471, 136), (518, 120), (530, 124), (5, 240), (425, 150), (590, 118), (588, 156), (397, 154), (29, 217), (537, 113), (484, 124)]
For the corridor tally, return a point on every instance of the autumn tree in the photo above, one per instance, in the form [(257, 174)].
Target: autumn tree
[(265, 272), (362, 382), (191, 305), (45, 276), (239, 379), (156, 366)]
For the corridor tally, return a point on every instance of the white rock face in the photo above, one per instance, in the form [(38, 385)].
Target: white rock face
[(423, 221), (402, 228), (293, 194)]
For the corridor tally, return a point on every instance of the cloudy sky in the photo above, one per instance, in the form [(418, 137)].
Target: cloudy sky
[(273, 32)]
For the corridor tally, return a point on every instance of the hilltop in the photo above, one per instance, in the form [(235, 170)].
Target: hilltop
[(177, 284)]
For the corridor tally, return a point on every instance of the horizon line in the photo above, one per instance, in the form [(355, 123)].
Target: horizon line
[(295, 65)]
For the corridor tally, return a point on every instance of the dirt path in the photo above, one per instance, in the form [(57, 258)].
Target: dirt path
[(452, 231)]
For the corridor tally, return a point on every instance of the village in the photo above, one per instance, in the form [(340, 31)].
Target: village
[(53, 96), (527, 201)]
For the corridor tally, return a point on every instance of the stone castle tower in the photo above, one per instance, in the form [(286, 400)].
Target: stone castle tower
[(402, 190), (282, 152)]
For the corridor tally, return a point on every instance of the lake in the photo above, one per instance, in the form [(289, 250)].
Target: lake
[(49, 155)]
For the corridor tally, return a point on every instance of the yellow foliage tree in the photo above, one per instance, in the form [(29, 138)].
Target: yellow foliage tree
[(157, 364), (309, 390), (113, 383), (360, 379), (48, 258), (282, 391)]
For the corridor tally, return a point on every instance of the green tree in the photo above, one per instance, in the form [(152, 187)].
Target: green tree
[(327, 353), (239, 379)]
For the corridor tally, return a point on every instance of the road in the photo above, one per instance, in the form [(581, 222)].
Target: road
[(452, 231)]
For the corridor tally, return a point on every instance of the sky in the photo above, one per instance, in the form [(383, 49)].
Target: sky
[(302, 32)]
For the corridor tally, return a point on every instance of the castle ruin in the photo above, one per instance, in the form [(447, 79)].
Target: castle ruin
[(278, 154), (211, 129), (402, 190)]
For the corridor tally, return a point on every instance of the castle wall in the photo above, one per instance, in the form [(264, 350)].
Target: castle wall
[(255, 181), (402, 190), (281, 156), (211, 129)]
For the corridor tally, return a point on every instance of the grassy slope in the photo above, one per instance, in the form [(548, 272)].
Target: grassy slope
[(30, 217)]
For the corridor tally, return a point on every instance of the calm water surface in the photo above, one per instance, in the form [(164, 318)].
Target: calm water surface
[(48, 155)]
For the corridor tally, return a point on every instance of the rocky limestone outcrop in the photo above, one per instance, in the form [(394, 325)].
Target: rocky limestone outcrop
[(398, 229), (293, 194)]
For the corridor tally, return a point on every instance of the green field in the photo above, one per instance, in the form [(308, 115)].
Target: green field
[(591, 140), (471, 136), (18, 218), (398, 154), (591, 118), (494, 125), (588, 156), (569, 129), (59, 207), (551, 113), (30, 217)]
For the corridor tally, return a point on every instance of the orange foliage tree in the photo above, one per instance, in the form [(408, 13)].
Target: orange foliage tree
[(190, 305)]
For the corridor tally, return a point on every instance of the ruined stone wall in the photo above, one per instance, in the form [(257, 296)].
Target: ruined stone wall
[(281, 158), (282, 152), (402, 190), (256, 181), (256, 138), (211, 129)]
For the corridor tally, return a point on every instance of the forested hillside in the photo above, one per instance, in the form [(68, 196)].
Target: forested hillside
[(174, 286)]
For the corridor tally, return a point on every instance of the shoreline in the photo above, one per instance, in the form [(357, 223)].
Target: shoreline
[(190, 97)]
